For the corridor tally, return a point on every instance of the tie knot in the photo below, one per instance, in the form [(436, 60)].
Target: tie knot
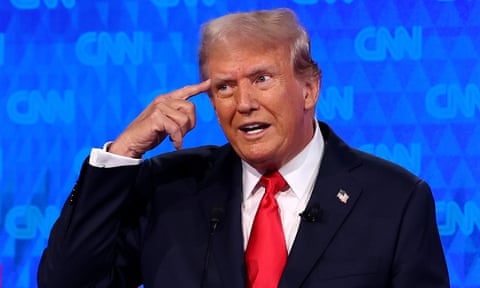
[(273, 182)]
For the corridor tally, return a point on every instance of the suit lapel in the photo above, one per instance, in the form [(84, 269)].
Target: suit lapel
[(224, 188), (313, 238)]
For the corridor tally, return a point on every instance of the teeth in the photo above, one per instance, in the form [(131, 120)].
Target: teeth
[(253, 128), (254, 131)]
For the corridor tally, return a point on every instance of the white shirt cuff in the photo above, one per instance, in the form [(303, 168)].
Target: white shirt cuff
[(102, 159)]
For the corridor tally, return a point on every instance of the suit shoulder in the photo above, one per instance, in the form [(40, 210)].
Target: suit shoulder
[(191, 162), (369, 166), (389, 186), (201, 153), (198, 156), (382, 170)]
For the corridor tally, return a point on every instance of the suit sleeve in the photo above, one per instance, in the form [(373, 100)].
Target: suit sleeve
[(419, 260), (90, 244)]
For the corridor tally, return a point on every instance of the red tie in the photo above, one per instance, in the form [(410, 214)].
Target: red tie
[(266, 252)]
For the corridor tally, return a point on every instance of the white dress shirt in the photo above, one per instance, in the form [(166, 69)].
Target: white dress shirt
[(300, 174)]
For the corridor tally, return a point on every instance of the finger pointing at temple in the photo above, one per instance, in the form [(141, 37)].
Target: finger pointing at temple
[(168, 114)]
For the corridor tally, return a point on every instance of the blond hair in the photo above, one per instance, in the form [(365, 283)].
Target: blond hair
[(270, 28)]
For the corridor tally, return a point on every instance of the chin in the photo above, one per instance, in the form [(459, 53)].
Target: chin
[(258, 156), (262, 163)]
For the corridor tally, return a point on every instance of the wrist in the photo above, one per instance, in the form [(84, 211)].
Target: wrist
[(122, 150)]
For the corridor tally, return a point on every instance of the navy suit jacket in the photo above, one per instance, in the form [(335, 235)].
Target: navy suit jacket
[(151, 224)]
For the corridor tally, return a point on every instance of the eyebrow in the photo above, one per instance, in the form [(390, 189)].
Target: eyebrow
[(260, 69), (250, 73)]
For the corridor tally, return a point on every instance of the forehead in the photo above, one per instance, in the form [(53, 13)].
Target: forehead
[(240, 57)]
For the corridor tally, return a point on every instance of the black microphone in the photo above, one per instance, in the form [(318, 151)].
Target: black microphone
[(311, 214), (216, 217)]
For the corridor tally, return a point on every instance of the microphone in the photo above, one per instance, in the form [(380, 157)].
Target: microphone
[(216, 217), (312, 214)]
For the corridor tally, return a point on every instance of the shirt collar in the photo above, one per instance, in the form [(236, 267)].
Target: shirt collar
[(298, 172)]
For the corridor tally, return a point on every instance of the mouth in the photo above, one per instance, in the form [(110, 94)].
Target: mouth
[(254, 128)]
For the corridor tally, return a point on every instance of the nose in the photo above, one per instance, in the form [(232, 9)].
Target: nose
[(245, 98)]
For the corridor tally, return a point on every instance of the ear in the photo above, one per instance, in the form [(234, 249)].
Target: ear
[(310, 92)]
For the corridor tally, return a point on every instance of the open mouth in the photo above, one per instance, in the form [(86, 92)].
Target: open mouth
[(254, 128)]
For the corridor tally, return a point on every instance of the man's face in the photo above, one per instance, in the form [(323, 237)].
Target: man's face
[(265, 111)]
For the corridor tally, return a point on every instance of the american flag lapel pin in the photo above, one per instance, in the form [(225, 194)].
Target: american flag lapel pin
[(343, 196)]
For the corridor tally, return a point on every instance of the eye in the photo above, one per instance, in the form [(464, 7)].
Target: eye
[(222, 87), (262, 78), (223, 90)]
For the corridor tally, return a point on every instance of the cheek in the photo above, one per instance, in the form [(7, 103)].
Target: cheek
[(224, 109)]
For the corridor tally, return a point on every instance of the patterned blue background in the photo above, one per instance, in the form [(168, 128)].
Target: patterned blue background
[(401, 80)]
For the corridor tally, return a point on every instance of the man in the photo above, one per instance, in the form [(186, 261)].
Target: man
[(322, 215)]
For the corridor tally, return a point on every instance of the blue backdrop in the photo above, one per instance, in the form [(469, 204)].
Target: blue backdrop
[(401, 80)]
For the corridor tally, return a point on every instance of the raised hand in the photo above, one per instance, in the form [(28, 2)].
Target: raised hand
[(169, 114)]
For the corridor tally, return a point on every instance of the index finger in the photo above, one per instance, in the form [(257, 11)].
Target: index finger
[(191, 90)]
